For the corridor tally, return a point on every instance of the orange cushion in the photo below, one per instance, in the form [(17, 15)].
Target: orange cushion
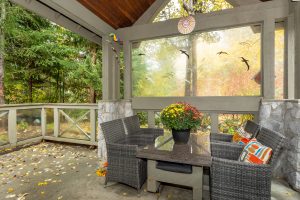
[(241, 137), (255, 152)]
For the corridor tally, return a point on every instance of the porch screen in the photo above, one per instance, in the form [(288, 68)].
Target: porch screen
[(215, 63)]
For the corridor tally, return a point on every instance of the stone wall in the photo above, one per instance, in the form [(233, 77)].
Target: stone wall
[(283, 116), (107, 111)]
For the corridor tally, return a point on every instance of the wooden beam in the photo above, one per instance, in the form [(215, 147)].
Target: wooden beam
[(205, 104), (127, 71), (297, 48), (56, 128), (69, 140), (152, 12), (107, 70), (58, 18), (116, 72), (290, 57), (268, 58), (12, 126), (76, 11), (238, 16)]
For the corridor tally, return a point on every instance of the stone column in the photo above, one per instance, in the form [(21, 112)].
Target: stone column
[(107, 111), (283, 116)]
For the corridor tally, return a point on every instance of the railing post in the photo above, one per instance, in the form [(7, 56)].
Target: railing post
[(151, 119), (12, 126), (56, 122), (214, 122), (93, 124), (43, 121)]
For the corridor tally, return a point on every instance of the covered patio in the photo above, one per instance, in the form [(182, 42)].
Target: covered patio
[(130, 31)]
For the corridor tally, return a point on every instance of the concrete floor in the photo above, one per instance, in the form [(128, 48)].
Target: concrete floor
[(51, 171)]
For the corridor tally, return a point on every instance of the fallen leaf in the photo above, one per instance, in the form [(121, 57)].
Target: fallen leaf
[(42, 183), (10, 190)]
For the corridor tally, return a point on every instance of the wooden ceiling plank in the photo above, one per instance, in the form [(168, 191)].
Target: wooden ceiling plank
[(100, 12), (118, 13)]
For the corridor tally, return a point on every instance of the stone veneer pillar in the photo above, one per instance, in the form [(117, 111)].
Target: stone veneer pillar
[(107, 111), (283, 116)]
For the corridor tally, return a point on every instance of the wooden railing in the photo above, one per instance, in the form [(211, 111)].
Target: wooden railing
[(28, 123), (77, 123), (213, 107)]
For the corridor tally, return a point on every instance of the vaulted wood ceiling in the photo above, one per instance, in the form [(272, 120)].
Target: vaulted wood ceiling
[(121, 13), (118, 13)]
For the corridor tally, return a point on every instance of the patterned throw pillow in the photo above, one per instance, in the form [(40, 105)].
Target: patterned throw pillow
[(241, 136), (255, 152)]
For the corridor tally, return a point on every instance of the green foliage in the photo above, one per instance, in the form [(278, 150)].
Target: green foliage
[(143, 118), (47, 63), (231, 122), (22, 126)]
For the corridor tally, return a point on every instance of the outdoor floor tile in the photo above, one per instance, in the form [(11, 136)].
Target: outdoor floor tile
[(53, 171)]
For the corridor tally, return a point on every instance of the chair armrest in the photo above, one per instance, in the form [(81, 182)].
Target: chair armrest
[(220, 137), (226, 150), (154, 131), (121, 150), (143, 139), (239, 180)]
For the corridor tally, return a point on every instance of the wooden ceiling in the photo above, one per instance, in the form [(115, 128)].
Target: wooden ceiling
[(118, 13)]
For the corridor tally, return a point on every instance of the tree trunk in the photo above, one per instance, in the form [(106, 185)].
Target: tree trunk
[(2, 19), (194, 65), (30, 89), (93, 63), (187, 90), (57, 88), (191, 67)]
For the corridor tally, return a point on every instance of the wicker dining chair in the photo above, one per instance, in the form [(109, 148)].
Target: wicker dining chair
[(250, 127), (132, 125), (123, 166), (231, 179)]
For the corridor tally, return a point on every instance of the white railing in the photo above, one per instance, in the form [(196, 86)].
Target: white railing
[(28, 123)]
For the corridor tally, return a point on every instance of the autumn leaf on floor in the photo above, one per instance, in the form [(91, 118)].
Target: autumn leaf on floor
[(10, 190), (42, 183)]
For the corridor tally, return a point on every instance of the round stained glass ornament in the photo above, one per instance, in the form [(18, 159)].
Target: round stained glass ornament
[(186, 25)]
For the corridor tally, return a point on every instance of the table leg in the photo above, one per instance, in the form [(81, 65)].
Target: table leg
[(198, 184), (152, 183)]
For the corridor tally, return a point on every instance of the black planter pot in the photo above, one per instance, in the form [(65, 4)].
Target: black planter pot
[(181, 136)]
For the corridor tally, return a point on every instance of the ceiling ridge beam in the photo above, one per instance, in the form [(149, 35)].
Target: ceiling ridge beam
[(59, 19), (238, 16), (73, 7), (152, 12)]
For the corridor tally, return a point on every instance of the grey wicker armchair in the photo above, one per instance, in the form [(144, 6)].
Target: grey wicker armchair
[(132, 125), (250, 127), (234, 180), (123, 166)]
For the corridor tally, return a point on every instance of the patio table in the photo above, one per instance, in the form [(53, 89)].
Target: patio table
[(196, 155)]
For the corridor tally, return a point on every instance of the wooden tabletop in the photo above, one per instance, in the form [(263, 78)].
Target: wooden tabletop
[(196, 152)]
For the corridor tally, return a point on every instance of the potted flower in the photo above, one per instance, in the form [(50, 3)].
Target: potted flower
[(101, 172), (181, 118)]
